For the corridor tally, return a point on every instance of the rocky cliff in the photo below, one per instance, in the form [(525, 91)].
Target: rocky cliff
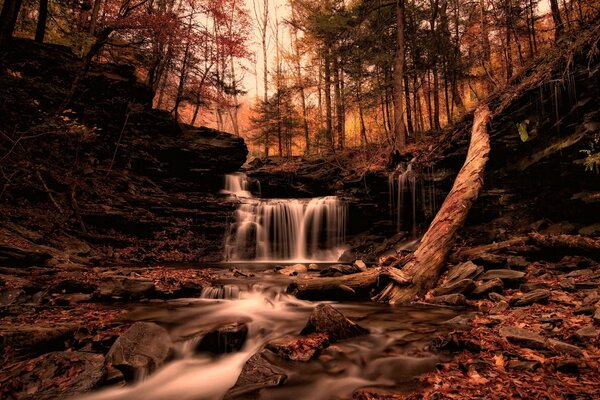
[(110, 175)]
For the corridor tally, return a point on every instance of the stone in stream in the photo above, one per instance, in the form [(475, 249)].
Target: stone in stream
[(507, 276), (454, 287), (487, 287), (526, 299), (225, 339), (299, 348), (141, 349), (463, 271), (293, 270), (258, 373), (326, 319), (56, 375)]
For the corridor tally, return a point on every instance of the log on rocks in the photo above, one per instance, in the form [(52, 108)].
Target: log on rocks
[(473, 252), (568, 243), (432, 254), (347, 286)]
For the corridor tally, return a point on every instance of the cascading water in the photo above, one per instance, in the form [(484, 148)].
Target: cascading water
[(284, 229), (411, 198)]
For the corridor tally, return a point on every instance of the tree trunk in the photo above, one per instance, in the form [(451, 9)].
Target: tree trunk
[(399, 131), (558, 25), (40, 30), (339, 109), (94, 17), (328, 112), (428, 261), (8, 20)]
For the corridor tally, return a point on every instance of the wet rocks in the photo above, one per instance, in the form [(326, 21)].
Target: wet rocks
[(258, 373), (454, 287), (225, 339), (299, 348), (124, 287), (54, 375), (144, 347), (326, 319), (526, 299)]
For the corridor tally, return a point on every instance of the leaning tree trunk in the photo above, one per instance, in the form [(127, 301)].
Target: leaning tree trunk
[(426, 264)]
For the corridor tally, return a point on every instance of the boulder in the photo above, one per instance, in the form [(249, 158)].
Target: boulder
[(522, 337), (258, 373), (528, 366), (360, 264), (483, 288), (225, 339), (326, 319), (526, 299), (454, 287), (299, 348), (56, 375), (142, 348), (125, 288)]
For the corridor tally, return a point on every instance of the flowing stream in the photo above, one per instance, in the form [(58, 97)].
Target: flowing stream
[(390, 356), (249, 290)]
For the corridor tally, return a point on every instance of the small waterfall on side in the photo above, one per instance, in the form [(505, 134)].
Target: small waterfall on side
[(284, 229), (239, 185), (412, 198)]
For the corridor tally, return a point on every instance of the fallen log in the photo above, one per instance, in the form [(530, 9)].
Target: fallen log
[(470, 253), (347, 286), (431, 256), (570, 243)]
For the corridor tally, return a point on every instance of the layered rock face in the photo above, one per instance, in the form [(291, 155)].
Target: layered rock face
[(109, 171)]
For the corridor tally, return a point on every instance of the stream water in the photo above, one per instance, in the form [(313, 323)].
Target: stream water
[(249, 290), (391, 355)]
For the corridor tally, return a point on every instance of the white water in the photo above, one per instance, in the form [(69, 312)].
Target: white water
[(270, 314), (284, 230), (410, 198)]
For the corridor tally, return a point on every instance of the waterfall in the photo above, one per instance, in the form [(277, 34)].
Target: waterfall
[(285, 229), (239, 185), (411, 197)]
